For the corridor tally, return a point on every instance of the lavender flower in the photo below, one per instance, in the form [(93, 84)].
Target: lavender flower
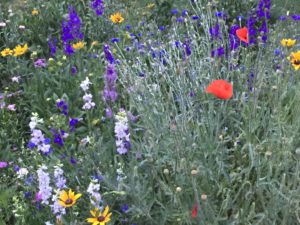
[(97, 6), (3, 165), (63, 106), (93, 190), (233, 39), (60, 180), (71, 31), (122, 132), (219, 52), (45, 190), (52, 45), (87, 98), (108, 55), (110, 78), (40, 63), (295, 17), (215, 32)]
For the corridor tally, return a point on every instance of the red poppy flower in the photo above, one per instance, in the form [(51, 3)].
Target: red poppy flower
[(242, 34), (221, 89), (195, 211)]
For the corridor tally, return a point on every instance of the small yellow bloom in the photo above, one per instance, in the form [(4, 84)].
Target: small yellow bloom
[(95, 43), (98, 217), (68, 199), (117, 18), (151, 6), (288, 42), (78, 45), (34, 12), (295, 60), (19, 50), (6, 52)]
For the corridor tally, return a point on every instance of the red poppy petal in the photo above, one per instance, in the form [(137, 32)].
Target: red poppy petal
[(243, 34), (221, 89), (195, 211)]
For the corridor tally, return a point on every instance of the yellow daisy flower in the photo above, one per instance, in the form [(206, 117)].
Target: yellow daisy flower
[(68, 199), (78, 45), (295, 60), (34, 12), (288, 42), (6, 52), (19, 50), (151, 6), (98, 217), (117, 18)]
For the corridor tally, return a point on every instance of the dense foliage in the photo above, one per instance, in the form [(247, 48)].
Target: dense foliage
[(149, 112)]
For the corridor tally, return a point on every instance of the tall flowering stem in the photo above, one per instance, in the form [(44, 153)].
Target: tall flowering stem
[(122, 132), (71, 31)]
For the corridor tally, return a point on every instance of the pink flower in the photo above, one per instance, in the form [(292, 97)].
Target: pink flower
[(11, 107), (3, 165)]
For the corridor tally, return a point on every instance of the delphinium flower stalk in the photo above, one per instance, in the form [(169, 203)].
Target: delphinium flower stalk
[(122, 132), (60, 183), (37, 137), (97, 6), (45, 190), (71, 31), (87, 98), (94, 192)]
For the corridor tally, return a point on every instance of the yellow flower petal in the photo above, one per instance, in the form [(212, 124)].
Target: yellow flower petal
[(106, 209), (77, 196)]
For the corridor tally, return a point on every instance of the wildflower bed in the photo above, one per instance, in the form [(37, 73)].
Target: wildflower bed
[(149, 112)]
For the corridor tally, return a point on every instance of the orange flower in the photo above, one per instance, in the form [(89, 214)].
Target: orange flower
[(242, 34), (221, 89)]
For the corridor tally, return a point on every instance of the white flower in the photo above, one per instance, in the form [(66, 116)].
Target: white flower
[(48, 223), (15, 79), (2, 24), (21, 27), (85, 84), (22, 172)]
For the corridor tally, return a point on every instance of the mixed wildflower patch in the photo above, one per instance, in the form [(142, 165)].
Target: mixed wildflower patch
[(149, 113)]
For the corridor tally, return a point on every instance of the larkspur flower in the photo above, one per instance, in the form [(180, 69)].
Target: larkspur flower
[(98, 7), (45, 190), (122, 132), (71, 31), (94, 192), (110, 78), (52, 45), (40, 63), (215, 32), (60, 180), (295, 17), (3, 165), (108, 55)]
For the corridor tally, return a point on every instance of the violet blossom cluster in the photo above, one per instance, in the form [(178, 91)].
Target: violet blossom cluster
[(71, 31), (87, 98), (93, 190), (110, 91), (97, 6), (60, 183), (45, 190), (37, 137), (122, 132)]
